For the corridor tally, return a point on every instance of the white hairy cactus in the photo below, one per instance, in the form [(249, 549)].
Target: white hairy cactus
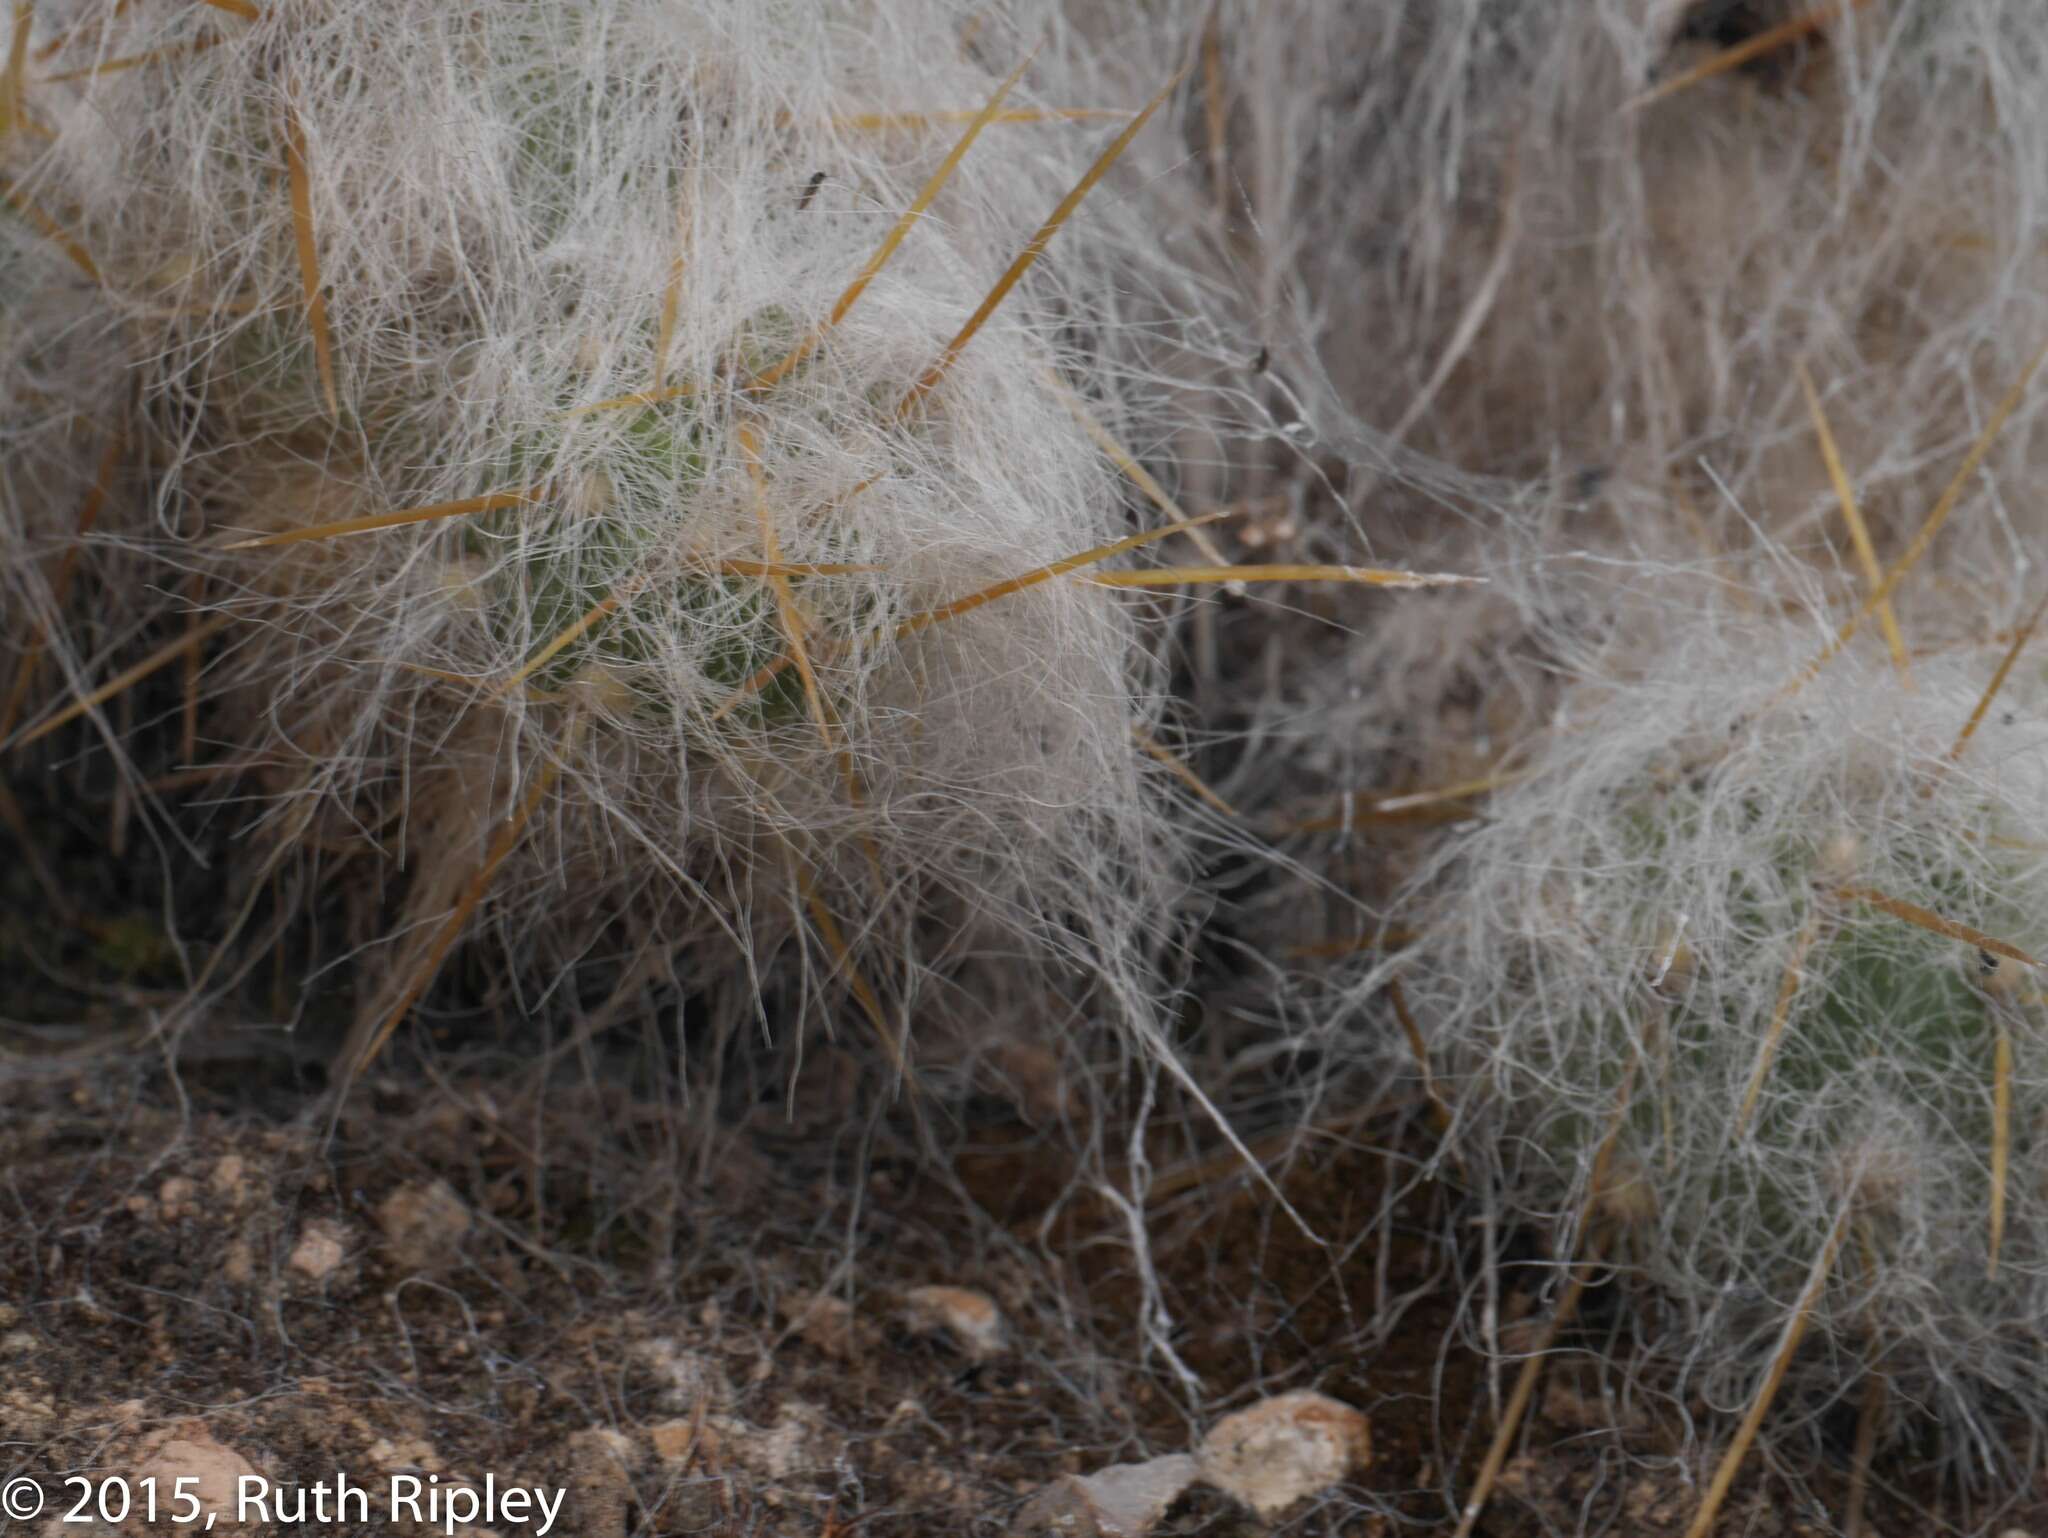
[(1678, 312), (1542, 240), (1512, 258), (608, 485), (1737, 981)]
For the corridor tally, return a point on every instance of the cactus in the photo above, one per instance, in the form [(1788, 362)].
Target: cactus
[(582, 474), (1744, 963)]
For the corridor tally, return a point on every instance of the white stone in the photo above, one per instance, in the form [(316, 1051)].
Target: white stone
[(322, 1247), (1284, 1449), (1125, 1500)]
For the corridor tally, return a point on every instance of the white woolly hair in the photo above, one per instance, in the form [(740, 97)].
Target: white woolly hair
[(1515, 258), (1476, 242), (1473, 223), (1746, 923), (511, 212)]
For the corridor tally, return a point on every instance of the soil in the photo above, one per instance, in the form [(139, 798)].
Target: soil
[(460, 1282)]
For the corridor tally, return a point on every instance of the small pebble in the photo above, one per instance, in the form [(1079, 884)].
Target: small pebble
[(1284, 1449), (1125, 1500), (971, 1318)]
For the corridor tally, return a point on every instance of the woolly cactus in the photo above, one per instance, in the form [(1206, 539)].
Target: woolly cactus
[(1735, 982), (1685, 940), (1515, 263), (624, 516)]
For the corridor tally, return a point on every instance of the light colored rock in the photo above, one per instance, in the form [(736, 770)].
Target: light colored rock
[(796, 1444), (823, 1321), (687, 1377), (238, 1264), (423, 1224), (230, 1179), (1123, 1501), (214, 1471), (971, 1318), (907, 1410), (26, 1412), (322, 1246), (1283, 1449)]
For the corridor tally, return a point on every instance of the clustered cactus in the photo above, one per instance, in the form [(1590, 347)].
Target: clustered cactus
[(639, 467), (1739, 974), (1743, 339), (581, 417)]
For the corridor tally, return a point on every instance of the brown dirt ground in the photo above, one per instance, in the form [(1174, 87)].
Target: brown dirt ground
[(453, 1286)]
